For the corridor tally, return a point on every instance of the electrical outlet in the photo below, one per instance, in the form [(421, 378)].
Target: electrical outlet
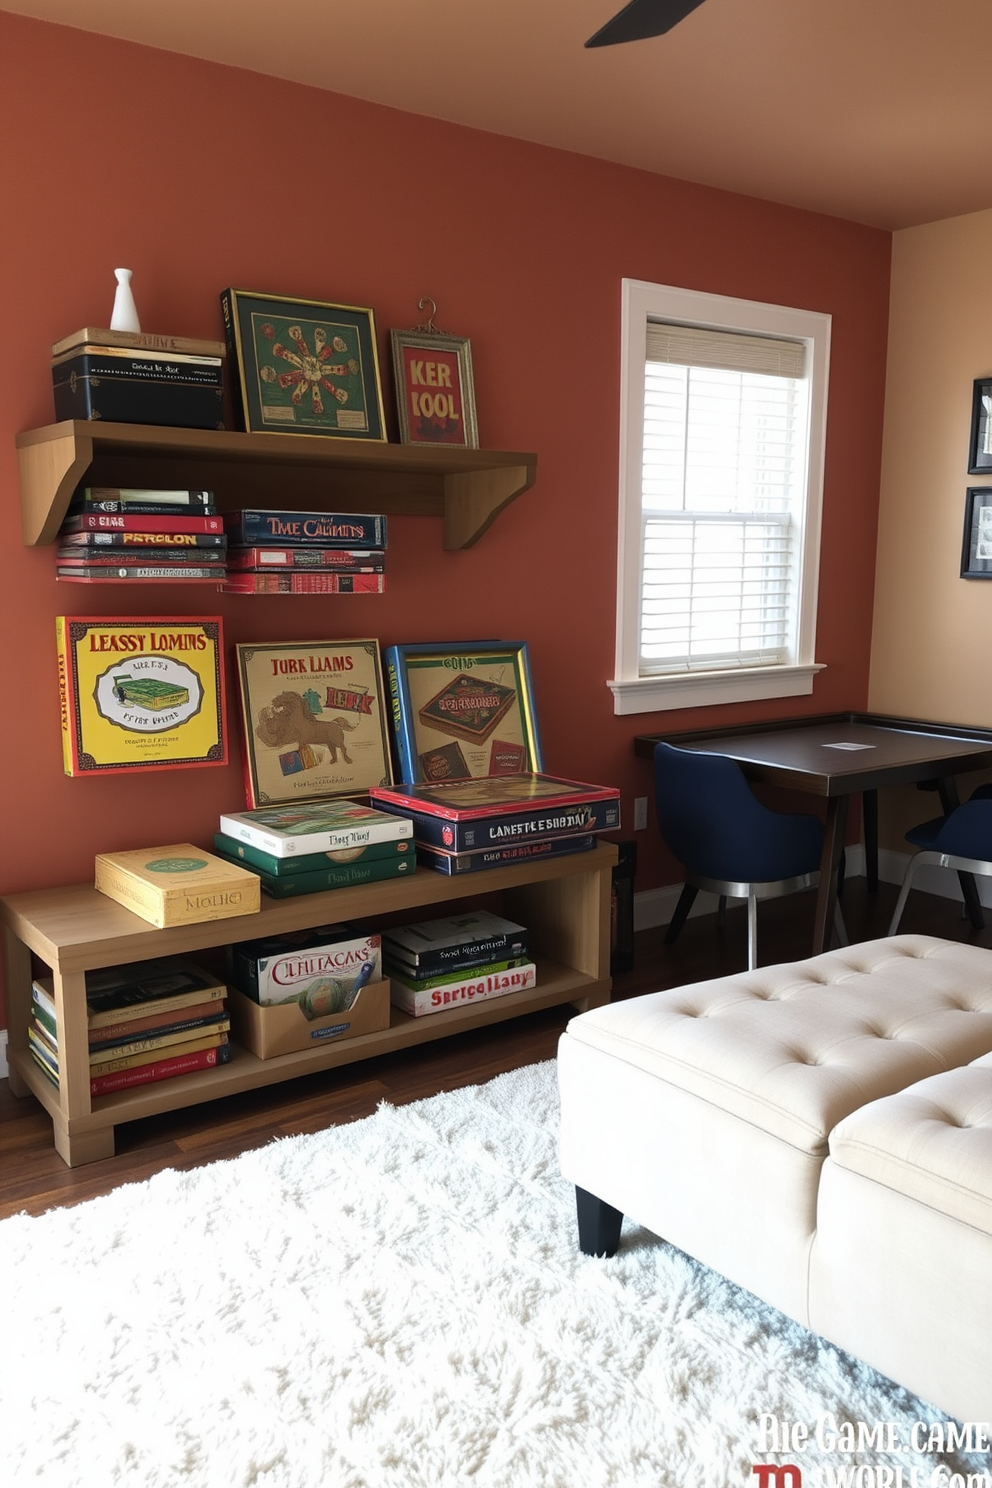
[(640, 813)]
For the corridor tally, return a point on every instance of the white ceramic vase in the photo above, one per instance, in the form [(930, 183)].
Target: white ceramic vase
[(125, 316)]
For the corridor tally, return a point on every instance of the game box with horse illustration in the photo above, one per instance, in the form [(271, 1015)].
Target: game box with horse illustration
[(313, 721)]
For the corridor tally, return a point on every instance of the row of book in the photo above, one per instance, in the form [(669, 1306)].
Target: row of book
[(147, 1021), (120, 535), (455, 827), (438, 964)]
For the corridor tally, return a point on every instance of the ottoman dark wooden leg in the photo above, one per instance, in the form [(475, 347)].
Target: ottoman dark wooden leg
[(599, 1224)]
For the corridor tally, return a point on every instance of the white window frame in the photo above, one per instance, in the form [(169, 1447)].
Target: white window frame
[(641, 302)]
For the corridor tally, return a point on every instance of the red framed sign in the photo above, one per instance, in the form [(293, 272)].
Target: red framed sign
[(435, 395)]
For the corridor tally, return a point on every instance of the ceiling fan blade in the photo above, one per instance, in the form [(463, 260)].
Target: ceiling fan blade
[(642, 18)]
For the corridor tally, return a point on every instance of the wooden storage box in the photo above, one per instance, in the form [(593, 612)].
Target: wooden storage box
[(177, 885), (140, 385), (268, 1031)]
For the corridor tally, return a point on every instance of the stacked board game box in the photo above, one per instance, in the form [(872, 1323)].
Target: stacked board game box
[(316, 845), (308, 986), (494, 820), (437, 964), (148, 1021), (115, 534), (139, 377), (298, 552)]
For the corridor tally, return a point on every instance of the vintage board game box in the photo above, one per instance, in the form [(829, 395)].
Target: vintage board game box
[(420, 1001), (304, 530), (323, 969), (140, 694), (313, 720), (463, 816), (342, 876), (428, 946), (495, 857), (138, 384), (401, 849), (177, 885), (313, 827), (270, 1031), (461, 710)]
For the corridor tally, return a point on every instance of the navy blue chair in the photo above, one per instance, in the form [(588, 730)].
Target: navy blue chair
[(961, 840), (727, 842)]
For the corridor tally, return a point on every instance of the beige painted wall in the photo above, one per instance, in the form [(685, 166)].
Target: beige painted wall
[(931, 651), (932, 637)]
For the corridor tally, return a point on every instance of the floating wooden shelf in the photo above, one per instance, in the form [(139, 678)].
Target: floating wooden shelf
[(468, 488)]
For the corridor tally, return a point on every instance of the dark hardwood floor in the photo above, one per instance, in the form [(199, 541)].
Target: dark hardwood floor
[(33, 1178)]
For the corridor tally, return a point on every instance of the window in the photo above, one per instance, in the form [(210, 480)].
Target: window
[(723, 410)]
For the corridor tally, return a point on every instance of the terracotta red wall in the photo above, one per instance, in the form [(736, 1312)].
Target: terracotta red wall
[(197, 177)]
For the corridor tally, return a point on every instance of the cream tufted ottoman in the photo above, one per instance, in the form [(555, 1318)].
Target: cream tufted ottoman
[(706, 1113)]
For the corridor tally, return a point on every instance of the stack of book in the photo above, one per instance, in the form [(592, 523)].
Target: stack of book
[(148, 1021), (317, 845), (437, 964), (297, 552), (114, 535), (461, 826)]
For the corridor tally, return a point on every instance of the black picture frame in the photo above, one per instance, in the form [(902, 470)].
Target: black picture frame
[(976, 549), (980, 444)]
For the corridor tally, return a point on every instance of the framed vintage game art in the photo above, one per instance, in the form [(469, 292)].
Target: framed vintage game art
[(462, 710), (140, 694), (303, 366), (312, 720), (980, 440), (976, 547), (435, 395)]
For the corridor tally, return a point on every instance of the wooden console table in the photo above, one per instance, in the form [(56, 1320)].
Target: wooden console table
[(564, 902)]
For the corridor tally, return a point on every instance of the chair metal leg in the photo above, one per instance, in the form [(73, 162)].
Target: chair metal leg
[(907, 882), (686, 900), (752, 928), (721, 911), (840, 929)]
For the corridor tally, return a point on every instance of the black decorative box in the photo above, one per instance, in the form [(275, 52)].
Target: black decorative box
[(132, 378)]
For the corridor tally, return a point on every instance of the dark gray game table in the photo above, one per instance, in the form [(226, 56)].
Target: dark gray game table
[(838, 755)]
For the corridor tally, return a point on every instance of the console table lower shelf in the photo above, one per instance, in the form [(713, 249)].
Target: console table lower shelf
[(565, 903)]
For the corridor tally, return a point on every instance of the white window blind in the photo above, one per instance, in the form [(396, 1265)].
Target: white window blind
[(723, 482)]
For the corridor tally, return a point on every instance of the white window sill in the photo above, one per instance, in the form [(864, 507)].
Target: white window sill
[(706, 689)]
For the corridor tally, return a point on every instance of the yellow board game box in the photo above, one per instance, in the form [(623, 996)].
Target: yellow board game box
[(177, 885), (141, 694)]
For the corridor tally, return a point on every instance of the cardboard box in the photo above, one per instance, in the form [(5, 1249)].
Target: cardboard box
[(177, 885), (268, 1031)]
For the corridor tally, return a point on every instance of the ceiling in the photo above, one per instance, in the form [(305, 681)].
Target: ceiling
[(867, 109)]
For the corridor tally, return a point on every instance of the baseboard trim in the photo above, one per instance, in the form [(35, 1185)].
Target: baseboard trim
[(656, 906)]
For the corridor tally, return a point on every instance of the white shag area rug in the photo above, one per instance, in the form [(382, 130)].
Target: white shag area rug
[(398, 1303)]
